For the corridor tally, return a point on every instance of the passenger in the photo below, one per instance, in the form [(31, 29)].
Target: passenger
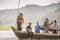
[(46, 25), (56, 25), (52, 24), (42, 29), (51, 27), (37, 28), (20, 21), (29, 30)]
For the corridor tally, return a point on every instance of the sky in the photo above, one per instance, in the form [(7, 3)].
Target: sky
[(12, 4)]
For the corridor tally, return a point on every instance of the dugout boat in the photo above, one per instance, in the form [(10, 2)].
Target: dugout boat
[(20, 34)]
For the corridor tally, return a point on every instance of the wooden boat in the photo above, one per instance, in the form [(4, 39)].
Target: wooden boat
[(35, 35)]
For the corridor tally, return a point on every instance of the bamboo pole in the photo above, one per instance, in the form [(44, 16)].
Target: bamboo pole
[(17, 12)]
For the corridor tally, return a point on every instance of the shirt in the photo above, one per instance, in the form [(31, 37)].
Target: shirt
[(20, 20), (37, 28)]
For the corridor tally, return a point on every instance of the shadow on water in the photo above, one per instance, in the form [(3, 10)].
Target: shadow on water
[(36, 39)]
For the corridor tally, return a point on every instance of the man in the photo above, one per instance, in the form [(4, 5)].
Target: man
[(51, 27), (29, 30), (46, 25), (37, 28), (56, 25), (20, 21)]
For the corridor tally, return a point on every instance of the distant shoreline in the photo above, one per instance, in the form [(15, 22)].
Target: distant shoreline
[(5, 29)]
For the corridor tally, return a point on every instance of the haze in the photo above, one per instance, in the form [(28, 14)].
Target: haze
[(13, 4)]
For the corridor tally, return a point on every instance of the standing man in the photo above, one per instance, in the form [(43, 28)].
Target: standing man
[(56, 25), (20, 21), (46, 25)]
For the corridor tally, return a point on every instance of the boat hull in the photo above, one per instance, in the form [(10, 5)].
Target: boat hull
[(35, 35)]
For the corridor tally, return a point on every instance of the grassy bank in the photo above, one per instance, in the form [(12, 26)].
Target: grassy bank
[(4, 27), (7, 27)]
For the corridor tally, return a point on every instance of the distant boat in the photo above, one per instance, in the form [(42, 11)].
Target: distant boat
[(35, 35)]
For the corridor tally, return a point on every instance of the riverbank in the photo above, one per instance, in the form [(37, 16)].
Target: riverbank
[(5, 27)]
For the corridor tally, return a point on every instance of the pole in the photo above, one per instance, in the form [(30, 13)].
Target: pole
[(17, 12), (18, 7)]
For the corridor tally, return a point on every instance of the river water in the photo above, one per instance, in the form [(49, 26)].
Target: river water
[(9, 35)]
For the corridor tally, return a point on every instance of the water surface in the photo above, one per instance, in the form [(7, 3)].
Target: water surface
[(9, 35)]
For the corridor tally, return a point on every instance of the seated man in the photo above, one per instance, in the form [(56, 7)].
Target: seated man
[(37, 28), (51, 27), (29, 30)]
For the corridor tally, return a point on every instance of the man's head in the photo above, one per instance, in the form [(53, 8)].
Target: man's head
[(55, 21), (47, 19), (37, 22), (30, 23), (21, 14)]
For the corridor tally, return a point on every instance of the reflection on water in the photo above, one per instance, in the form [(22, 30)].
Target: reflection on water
[(9, 35), (25, 39), (8, 39)]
